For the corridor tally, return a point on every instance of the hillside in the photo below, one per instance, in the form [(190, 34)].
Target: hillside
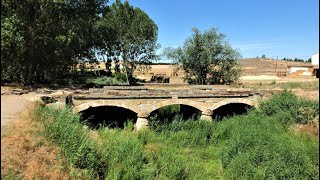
[(258, 66)]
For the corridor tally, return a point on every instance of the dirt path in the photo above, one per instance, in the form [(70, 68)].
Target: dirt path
[(13, 104), (11, 107)]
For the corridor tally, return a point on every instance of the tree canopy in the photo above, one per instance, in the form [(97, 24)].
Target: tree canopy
[(43, 40), (207, 58), (134, 35)]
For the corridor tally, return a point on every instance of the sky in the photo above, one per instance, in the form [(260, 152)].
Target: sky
[(276, 28)]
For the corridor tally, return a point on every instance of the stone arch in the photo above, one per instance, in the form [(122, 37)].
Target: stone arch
[(98, 103), (198, 105), (234, 100)]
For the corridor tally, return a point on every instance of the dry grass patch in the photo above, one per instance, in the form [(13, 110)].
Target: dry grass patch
[(25, 154), (311, 129)]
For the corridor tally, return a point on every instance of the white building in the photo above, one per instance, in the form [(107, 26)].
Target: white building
[(315, 59), (315, 63)]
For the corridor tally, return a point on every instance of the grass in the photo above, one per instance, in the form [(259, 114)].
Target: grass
[(64, 129), (300, 85), (258, 145), (115, 79)]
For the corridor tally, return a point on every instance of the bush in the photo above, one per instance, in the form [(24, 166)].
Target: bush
[(121, 77), (289, 109), (104, 81)]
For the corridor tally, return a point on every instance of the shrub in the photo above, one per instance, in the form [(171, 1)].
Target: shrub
[(105, 81), (121, 77), (289, 109)]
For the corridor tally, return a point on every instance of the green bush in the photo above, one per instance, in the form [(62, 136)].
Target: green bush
[(104, 81), (121, 77), (289, 109)]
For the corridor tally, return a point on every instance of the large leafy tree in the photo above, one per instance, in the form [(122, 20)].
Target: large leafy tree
[(132, 35), (206, 58), (41, 40)]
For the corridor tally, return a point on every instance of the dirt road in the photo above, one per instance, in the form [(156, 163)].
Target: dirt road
[(11, 107)]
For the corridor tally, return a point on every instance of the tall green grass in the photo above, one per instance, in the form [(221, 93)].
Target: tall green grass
[(262, 148), (65, 130), (257, 145)]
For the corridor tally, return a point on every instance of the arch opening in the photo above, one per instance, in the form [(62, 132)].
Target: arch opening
[(107, 116), (230, 110), (167, 114)]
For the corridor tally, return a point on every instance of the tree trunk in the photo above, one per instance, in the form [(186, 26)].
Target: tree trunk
[(29, 75)]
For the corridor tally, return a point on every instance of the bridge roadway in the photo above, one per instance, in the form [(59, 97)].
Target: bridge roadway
[(143, 101)]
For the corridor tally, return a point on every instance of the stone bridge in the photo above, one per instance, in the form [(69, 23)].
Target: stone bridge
[(143, 101)]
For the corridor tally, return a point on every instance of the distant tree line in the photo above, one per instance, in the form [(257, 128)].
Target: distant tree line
[(42, 41), (297, 60), (263, 56)]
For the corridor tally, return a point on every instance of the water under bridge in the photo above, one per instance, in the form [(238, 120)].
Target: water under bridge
[(142, 101)]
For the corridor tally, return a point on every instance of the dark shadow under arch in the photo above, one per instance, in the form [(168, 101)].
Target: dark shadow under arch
[(229, 110), (167, 113), (107, 116)]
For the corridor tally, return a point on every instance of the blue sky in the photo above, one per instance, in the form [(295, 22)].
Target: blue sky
[(276, 28)]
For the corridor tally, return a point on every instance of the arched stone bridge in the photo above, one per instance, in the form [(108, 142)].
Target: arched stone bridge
[(143, 101)]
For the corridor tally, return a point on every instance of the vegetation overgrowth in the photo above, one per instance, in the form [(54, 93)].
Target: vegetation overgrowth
[(107, 81), (257, 145)]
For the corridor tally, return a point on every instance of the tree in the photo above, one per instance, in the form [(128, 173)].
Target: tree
[(134, 35), (206, 58), (263, 56), (43, 39), (309, 60)]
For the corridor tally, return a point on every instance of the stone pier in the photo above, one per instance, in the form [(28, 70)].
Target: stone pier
[(206, 115), (142, 121)]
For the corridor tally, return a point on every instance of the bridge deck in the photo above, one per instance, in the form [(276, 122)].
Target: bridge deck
[(145, 93)]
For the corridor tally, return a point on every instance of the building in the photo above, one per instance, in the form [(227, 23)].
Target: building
[(302, 69), (315, 63)]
